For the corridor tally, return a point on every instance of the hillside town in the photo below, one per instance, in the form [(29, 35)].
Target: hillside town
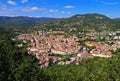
[(58, 49)]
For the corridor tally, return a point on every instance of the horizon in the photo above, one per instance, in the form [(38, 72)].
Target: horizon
[(58, 17), (59, 8)]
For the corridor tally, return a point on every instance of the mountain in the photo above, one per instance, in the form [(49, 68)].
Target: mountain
[(79, 22), (117, 19), (89, 16), (82, 22), (22, 21)]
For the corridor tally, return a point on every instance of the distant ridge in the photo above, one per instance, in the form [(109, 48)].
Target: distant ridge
[(117, 19), (22, 21), (80, 22), (89, 17)]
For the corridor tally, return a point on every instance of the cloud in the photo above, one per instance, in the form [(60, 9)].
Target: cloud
[(68, 12), (2, 6), (107, 2), (28, 9), (52, 10), (69, 6), (11, 2), (34, 8), (24, 1), (62, 12), (7, 13)]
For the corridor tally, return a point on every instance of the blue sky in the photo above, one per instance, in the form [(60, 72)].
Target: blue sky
[(59, 8)]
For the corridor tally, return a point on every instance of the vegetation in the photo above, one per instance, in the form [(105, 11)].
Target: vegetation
[(17, 65), (96, 69), (81, 23), (22, 21)]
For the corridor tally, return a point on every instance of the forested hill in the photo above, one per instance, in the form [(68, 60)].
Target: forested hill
[(22, 21), (80, 22), (117, 19), (90, 16), (18, 65)]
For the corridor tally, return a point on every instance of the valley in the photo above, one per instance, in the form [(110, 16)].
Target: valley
[(62, 50)]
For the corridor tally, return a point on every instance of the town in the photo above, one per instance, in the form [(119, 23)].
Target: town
[(51, 47)]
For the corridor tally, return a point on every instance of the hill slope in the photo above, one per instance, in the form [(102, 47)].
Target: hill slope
[(117, 19), (22, 21), (82, 22)]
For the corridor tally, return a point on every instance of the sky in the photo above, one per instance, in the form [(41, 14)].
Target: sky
[(59, 8)]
